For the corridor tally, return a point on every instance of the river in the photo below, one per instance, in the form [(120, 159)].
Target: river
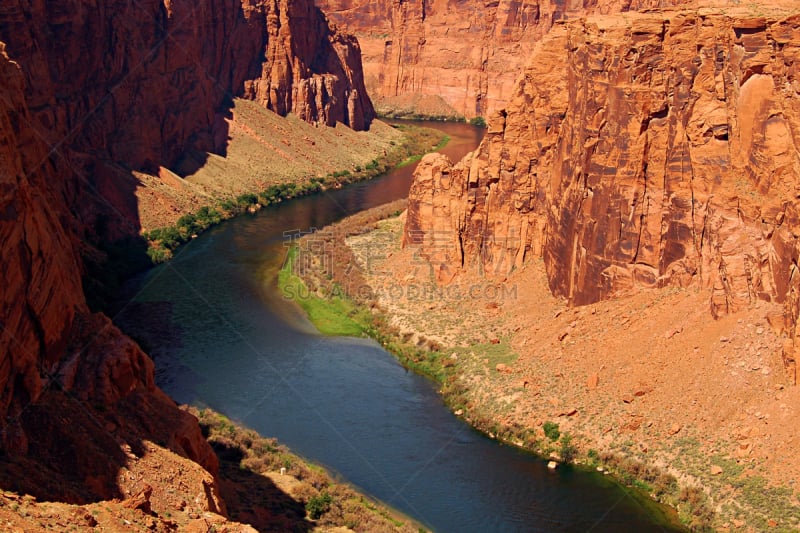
[(222, 336)]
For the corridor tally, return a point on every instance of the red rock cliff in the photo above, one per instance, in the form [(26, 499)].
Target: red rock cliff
[(454, 57), (91, 90), (646, 151)]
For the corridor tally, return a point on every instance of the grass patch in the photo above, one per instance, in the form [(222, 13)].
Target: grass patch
[(414, 158), (335, 315), (494, 352)]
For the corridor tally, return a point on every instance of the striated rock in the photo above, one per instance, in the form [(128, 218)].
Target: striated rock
[(139, 83), (126, 85), (652, 150), (309, 69), (451, 58)]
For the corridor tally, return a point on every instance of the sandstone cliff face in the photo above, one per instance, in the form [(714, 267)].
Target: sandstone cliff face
[(454, 57), (90, 91), (55, 353), (139, 82), (41, 289), (652, 150)]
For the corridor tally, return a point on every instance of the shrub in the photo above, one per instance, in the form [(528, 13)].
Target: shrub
[(568, 450), (551, 431), (287, 190), (318, 505), (188, 223), (158, 255), (171, 238), (272, 194), (207, 216), (247, 199), (478, 121)]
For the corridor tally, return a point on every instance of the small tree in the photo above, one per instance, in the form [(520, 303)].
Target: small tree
[(478, 121), (319, 505)]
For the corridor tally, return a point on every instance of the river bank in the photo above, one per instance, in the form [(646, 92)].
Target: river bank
[(270, 488), (222, 336), (616, 377), (269, 159), (260, 486)]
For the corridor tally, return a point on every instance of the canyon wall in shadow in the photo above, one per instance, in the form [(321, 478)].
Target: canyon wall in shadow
[(90, 92)]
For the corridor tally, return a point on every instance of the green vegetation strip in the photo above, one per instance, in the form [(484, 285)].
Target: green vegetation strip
[(335, 315), (417, 141), (430, 359), (414, 158), (249, 464), (395, 114)]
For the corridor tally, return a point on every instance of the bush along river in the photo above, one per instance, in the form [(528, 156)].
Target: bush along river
[(222, 336)]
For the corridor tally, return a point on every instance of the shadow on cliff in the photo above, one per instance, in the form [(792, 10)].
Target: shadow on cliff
[(90, 101), (110, 211), (153, 326), (97, 403), (254, 499)]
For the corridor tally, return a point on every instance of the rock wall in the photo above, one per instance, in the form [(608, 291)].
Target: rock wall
[(454, 57), (90, 91), (642, 151)]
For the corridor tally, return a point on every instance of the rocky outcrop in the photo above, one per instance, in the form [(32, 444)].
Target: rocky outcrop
[(89, 92), (139, 82), (309, 69), (454, 58), (647, 151)]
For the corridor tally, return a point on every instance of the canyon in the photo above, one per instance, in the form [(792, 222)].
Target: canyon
[(455, 58), (630, 147), (91, 95), (662, 152)]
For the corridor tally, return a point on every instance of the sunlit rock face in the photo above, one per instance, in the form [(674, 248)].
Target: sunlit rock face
[(455, 57), (642, 151)]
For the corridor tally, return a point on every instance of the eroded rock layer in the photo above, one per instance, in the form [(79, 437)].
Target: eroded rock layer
[(90, 91), (454, 57), (652, 150)]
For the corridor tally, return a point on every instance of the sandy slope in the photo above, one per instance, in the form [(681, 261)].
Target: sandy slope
[(263, 149)]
